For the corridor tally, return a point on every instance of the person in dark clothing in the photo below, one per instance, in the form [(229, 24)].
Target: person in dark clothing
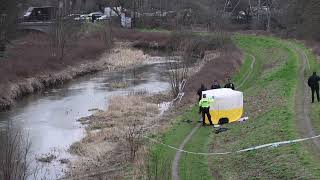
[(199, 92), (229, 84), (204, 104), (313, 83), (215, 85)]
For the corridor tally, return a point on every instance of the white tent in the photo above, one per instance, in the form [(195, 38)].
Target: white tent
[(227, 106)]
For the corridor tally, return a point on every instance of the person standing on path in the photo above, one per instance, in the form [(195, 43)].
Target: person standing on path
[(204, 105), (229, 84), (313, 83)]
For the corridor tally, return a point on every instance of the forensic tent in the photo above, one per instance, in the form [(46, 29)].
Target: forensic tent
[(227, 106)]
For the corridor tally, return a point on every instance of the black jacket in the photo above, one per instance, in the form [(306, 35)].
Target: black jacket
[(199, 92), (313, 81), (215, 86), (229, 85)]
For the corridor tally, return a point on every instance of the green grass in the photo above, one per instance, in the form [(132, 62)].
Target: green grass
[(269, 102), (154, 30), (196, 167), (314, 66), (270, 105), (244, 70), (161, 157)]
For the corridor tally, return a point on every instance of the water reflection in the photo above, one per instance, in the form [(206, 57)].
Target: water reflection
[(50, 117)]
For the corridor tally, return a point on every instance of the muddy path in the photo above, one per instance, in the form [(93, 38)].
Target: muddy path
[(303, 101)]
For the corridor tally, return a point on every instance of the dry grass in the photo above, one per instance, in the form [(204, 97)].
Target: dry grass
[(30, 65), (119, 84), (124, 108), (125, 57), (32, 55), (161, 39), (108, 144), (38, 74)]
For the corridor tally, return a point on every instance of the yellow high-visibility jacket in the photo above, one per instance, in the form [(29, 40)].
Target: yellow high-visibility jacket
[(205, 102)]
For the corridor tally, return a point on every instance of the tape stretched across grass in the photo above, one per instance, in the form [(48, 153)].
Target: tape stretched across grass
[(270, 145)]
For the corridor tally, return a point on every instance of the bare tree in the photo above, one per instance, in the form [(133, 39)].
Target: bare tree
[(178, 72), (63, 30), (14, 151), (9, 11), (123, 6), (269, 14), (118, 6), (106, 33), (133, 138)]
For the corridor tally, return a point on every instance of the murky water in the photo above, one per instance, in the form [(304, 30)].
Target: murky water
[(50, 117)]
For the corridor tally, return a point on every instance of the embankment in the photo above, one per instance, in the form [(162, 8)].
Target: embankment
[(269, 97), (31, 64), (13, 87)]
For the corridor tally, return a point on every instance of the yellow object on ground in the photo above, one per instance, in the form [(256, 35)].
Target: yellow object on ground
[(227, 106)]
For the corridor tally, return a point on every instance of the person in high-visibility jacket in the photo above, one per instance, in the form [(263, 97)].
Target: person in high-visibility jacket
[(204, 105)]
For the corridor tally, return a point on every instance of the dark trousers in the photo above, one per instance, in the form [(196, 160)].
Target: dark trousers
[(205, 111), (315, 90)]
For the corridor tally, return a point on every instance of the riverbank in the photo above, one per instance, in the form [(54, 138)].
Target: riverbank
[(115, 147), (122, 56), (31, 66), (119, 57), (114, 137)]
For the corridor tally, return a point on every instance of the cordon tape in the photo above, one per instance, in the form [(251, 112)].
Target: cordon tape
[(270, 145)]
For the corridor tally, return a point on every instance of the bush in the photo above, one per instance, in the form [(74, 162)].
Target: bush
[(194, 45)]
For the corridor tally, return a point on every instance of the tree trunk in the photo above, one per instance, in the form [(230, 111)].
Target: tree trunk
[(268, 21), (2, 48), (259, 9)]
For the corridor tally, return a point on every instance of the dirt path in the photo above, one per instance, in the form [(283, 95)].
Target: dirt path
[(246, 77), (303, 102), (175, 163)]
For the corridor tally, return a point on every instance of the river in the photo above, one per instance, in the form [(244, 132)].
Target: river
[(50, 118)]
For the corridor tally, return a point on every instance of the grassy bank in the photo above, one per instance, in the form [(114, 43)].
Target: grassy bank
[(314, 67), (160, 156), (245, 70), (269, 102), (270, 105)]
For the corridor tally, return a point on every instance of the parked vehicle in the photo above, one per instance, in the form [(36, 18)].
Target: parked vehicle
[(83, 17), (95, 15), (103, 18), (45, 13)]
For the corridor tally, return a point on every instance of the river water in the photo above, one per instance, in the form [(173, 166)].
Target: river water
[(50, 118)]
